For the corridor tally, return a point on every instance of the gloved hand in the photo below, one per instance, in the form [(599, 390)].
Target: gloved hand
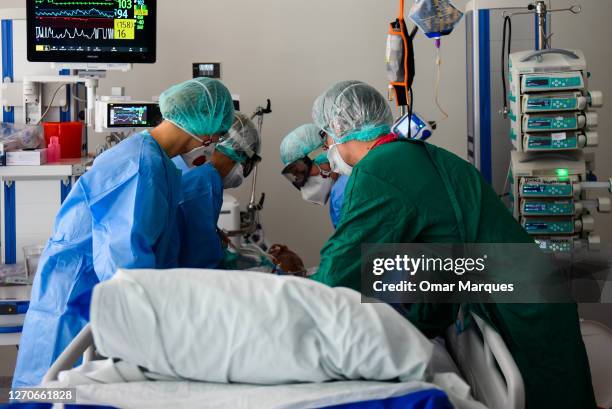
[(287, 260), (225, 240)]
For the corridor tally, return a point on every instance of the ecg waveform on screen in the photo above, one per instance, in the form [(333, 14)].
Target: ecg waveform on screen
[(67, 33), (129, 116), (75, 22), (77, 3), (92, 13)]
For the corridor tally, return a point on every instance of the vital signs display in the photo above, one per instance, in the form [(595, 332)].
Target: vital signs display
[(97, 31)]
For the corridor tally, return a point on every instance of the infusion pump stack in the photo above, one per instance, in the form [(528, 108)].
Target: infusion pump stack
[(553, 124)]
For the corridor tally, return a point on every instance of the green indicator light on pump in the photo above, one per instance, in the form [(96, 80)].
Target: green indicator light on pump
[(562, 173)]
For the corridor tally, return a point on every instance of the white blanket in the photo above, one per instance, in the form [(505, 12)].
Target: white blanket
[(120, 384), (245, 327), (199, 395)]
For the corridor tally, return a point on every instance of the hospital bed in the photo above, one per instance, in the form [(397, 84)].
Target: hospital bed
[(480, 353)]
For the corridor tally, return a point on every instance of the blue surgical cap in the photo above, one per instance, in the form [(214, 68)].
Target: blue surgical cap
[(200, 107), (352, 110), (300, 142)]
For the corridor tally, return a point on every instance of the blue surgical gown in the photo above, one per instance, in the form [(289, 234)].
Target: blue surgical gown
[(200, 207), (336, 198), (180, 164), (121, 214)]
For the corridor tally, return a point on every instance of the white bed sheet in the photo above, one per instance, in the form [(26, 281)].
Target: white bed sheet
[(201, 395), (164, 394), (104, 389)]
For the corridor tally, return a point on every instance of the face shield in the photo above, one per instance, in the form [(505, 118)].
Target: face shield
[(242, 144), (298, 172)]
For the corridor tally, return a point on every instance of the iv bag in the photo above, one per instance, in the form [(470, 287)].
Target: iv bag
[(436, 18)]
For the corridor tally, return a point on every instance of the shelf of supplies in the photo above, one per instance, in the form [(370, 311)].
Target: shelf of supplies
[(64, 168)]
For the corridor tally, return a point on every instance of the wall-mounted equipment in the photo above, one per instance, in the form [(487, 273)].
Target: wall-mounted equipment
[(207, 69)]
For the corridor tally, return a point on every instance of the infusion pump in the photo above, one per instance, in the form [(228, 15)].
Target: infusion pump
[(551, 105), (552, 126)]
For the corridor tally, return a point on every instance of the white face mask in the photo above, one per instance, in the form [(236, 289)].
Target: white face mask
[(199, 155), (234, 178), (338, 165), (316, 189)]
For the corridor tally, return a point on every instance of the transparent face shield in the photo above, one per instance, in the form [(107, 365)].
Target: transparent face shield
[(298, 172), (242, 139)]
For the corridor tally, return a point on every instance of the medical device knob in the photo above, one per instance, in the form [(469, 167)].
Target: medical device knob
[(592, 119), (594, 242), (578, 207), (588, 139), (585, 223), (604, 204), (596, 99)]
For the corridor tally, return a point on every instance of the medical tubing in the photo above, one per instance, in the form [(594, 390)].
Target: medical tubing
[(504, 191), (74, 88), (437, 86), (410, 111), (508, 26), (50, 104)]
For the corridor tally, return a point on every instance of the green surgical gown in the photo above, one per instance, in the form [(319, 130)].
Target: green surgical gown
[(410, 191)]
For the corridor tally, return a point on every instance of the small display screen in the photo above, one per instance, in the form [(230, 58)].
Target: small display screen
[(535, 207), (539, 103), (543, 142), (534, 188), (536, 226), (539, 123), (537, 82), (100, 31), (207, 69), (133, 115)]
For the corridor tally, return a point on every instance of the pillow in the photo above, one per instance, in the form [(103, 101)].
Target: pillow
[(248, 327)]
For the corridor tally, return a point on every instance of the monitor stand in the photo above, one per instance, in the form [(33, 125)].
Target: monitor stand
[(92, 66)]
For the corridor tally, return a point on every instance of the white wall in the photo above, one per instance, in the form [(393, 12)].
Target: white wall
[(291, 51)]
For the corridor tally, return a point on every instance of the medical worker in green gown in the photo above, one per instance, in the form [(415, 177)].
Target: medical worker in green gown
[(403, 191)]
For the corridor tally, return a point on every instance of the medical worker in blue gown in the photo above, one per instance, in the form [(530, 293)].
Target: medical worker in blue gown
[(123, 213), (232, 160)]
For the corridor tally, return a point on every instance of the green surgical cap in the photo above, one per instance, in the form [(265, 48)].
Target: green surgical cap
[(201, 106), (352, 110), (242, 141), (300, 143)]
